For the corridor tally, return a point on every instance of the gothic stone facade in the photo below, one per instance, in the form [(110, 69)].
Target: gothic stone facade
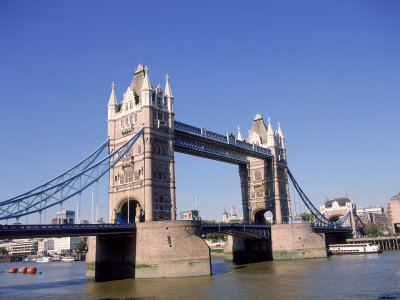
[(145, 176), (267, 181), (142, 184)]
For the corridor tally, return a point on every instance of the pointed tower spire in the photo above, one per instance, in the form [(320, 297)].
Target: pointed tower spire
[(282, 138), (270, 135), (270, 131), (280, 131), (239, 136), (146, 89), (113, 98), (168, 92), (146, 81), (112, 103), (169, 98)]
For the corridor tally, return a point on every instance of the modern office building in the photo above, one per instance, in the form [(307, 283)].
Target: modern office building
[(23, 247), (64, 217), (376, 215)]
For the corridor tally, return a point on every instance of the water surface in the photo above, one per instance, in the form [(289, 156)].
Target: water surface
[(375, 276)]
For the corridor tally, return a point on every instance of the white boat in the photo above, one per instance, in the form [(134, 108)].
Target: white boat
[(68, 258), (44, 259), (363, 248)]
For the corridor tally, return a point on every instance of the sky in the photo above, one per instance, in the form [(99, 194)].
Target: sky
[(328, 71)]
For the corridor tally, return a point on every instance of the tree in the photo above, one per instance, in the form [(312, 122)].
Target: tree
[(81, 247), (216, 236), (211, 222), (371, 229), (3, 251), (307, 217)]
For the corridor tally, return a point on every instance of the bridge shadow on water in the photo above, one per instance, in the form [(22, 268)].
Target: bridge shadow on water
[(12, 289), (223, 268), (390, 296)]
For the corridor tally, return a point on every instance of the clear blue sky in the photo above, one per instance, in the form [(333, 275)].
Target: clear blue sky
[(329, 71)]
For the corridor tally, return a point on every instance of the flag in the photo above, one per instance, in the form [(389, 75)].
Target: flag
[(233, 207)]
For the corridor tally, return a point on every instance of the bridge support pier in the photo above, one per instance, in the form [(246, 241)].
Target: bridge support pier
[(171, 249), (244, 250), (111, 257), (159, 249), (296, 241)]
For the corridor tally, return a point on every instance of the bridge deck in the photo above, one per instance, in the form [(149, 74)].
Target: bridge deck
[(201, 142), (63, 230)]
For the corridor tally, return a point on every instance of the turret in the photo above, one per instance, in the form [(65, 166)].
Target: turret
[(169, 98), (146, 89), (112, 103), (270, 135), (239, 136), (282, 138)]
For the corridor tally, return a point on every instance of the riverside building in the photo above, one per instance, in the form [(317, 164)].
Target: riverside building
[(393, 214)]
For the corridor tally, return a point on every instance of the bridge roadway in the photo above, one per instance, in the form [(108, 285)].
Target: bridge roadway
[(258, 231)]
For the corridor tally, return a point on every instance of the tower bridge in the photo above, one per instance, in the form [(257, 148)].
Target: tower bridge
[(143, 136)]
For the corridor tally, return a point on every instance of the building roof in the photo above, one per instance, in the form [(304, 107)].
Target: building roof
[(340, 200), (137, 81), (396, 197), (259, 128)]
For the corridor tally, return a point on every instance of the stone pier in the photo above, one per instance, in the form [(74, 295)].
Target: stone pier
[(296, 241), (111, 257), (171, 249), (245, 250), (158, 249)]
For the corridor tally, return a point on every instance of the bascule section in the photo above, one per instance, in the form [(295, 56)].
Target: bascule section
[(142, 184)]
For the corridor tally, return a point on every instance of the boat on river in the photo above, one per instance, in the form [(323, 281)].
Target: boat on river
[(363, 248), (68, 258), (44, 259)]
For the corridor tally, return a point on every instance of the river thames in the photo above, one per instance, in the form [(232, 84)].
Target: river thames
[(375, 276)]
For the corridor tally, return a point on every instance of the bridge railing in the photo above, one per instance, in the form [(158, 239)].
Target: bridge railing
[(65, 226)]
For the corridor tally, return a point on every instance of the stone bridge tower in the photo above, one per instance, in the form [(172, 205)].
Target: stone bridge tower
[(266, 180), (142, 184)]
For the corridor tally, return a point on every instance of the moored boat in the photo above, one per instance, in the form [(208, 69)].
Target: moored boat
[(68, 258), (44, 259), (363, 248)]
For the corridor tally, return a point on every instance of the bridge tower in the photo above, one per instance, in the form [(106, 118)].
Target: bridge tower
[(142, 184), (267, 180)]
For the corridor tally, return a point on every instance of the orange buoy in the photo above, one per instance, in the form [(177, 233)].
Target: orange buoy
[(22, 270), (12, 270), (32, 270)]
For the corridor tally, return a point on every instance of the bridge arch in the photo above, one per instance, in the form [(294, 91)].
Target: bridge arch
[(121, 210), (263, 216)]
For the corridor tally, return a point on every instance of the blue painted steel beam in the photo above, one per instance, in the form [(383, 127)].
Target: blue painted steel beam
[(208, 151), (239, 229), (74, 184), (63, 230)]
